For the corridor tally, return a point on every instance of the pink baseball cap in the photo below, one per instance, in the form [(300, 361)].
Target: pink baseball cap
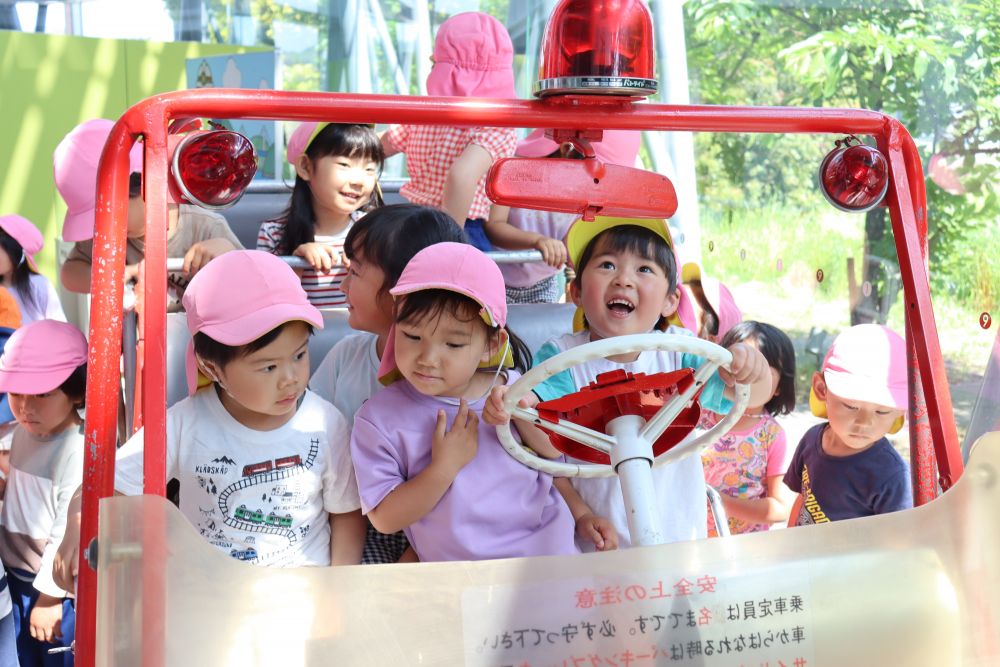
[(716, 293), (75, 165), (456, 267), (868, 363), (26, 234), (240, 296), (301, 138), (619, 147), (40, 356), (473, 57)]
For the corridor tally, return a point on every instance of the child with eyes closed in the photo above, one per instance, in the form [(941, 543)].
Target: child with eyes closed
[(425, 463)]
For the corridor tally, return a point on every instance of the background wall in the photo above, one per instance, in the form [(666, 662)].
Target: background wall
[(49, 84)]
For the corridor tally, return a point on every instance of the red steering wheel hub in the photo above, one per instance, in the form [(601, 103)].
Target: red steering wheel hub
[(619, 393)]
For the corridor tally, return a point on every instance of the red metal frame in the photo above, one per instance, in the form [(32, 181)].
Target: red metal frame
[(934, 437)]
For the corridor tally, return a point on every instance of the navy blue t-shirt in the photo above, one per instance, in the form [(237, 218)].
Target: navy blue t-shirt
[(874, 481)]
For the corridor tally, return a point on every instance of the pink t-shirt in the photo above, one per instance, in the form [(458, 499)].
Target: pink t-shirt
[(547, 223), (495, 507), (740, 462)]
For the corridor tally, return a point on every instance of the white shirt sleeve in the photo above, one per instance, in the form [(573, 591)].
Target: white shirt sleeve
[(53, 306), (340, 488)]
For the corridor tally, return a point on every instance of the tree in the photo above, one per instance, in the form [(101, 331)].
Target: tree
[(935, 66)]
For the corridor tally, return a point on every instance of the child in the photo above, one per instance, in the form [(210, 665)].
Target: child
[(845, 468), (527, 229), (256, 446), (44, 372), (378, 246), (746, 466), (337, 168), (193, 233), (35, 296), (473, 57), (626, 284), (707, 306), (454, 490)]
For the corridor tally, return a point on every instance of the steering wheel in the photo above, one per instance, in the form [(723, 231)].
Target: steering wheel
[(714, 355)]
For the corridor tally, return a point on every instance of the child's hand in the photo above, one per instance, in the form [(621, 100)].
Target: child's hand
[(493, 412), (598, 530), (748, 366), (553, 251), (321, 256), (67, 558), (203, 252), (46, 619), (455, 447)]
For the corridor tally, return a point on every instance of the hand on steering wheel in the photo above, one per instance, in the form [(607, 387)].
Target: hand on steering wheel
[(715, 357)]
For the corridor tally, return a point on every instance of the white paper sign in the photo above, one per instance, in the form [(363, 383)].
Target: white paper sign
[(643, 619)]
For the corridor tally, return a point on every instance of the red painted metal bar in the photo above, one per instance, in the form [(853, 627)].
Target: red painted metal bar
[(908, 213), (150, 117), (102, 367)]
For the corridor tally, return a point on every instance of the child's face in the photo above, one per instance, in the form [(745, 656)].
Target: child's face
[(855, 425), (368, 308), (45, 414), (439, 354), (262, 389), (622, 293), (340, 185)]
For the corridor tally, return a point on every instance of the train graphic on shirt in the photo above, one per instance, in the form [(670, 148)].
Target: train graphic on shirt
[(252, 518)]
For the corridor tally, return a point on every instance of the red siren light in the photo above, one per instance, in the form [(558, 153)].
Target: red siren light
[(598, 47), (854, 177), (213, 169)]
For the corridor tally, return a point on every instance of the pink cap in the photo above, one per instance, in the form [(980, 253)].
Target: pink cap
[(75, 164), (456, 267), (718, 296), (40, 356), (26, 234), (868, 363), (473, 57), (240, 296), (619, 147), (301, 138)]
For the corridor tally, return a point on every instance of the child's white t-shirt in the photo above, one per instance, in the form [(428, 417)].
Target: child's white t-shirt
[(261, 496), (680, 486), (348, 374)]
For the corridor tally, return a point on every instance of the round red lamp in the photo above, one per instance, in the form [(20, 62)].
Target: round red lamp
[(213, 169), (854, 177), (598, 47)]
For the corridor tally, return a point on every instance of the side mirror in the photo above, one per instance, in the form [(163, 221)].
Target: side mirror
[(586, 187)]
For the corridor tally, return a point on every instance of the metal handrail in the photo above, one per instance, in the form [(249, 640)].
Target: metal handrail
[(176, 264)]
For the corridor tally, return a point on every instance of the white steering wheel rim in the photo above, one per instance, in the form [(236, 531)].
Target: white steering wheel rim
[(714, 355)]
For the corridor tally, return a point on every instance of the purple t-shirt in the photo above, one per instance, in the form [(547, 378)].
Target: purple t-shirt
[(874, 481), (495, 508)]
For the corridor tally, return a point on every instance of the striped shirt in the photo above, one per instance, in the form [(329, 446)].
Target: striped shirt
[(322, 287)]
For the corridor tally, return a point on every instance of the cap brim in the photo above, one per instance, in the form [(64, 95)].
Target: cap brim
[(23, 381), (490, 318), (582, 232), (78, 226), (252, 326), (536, 144), (865, 389)]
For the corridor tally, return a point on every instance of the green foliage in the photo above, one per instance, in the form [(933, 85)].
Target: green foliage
[(935, 65)]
